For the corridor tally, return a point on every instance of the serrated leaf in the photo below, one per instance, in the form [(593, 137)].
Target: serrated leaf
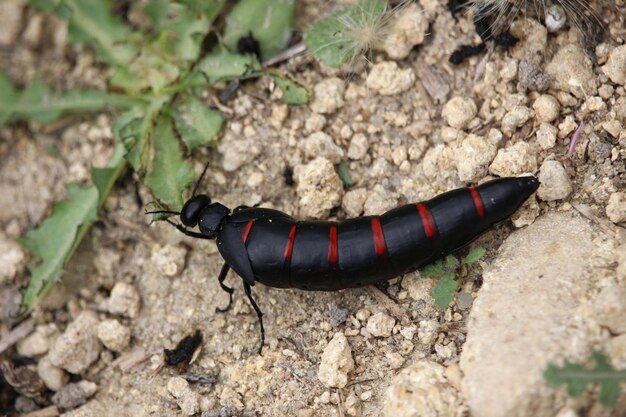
[(147, 72), (443, 293), (344, 174), (432, 270), (196, 123), (270, 21), (225, 66), (134, 129), (474, 255), (37, 104), (577, 378), (338, 38), (169, 174), (293, 93), (91, 22), (54, 240)]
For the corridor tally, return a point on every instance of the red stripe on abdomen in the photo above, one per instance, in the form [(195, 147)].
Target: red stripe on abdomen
[(289, 245), (246, 232), (427, 220), (333, 251), (379, 237), (478, 202)]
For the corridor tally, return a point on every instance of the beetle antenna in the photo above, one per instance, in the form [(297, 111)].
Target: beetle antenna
[(195, 188), (163, 212)]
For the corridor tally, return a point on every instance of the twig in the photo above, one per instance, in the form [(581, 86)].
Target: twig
[(21, 331), (388, 303), (286, 55)]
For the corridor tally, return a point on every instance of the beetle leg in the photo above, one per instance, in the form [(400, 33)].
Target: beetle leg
[(226, 288), (258, 311), (188, 232)]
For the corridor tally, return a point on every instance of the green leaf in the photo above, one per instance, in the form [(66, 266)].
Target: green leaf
[(270, 21), (344, 174), (156, 11), (92, 23), (293, 93), (210, 8), (104, 178), (225, 66), (169, 175), (54, 240), (134, 129), (182, 33), (451, 263), (147, 72), (197, 124), (474, 255), (443, 293), (577, 378), (432, 270), (347, 33), (36, 103)]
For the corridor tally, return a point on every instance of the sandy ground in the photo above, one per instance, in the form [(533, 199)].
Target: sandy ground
[(404, 140)]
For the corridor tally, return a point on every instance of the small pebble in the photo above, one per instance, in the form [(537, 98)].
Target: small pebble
[(546, 108), (52, 376), (113, 335), (616, 208), (546, 136), (514, 160), (78, 347), (428, 331), (186, 398), (74, 394), (613, 127), (11, 259), (572, 71), (473, 157), (319, 188), (554, 182), (359, 145), (380, 325), (354, 201), (279, 115), (336, 362), (406, 32), (615, 67), (321, 144), (387, 79), (459, 111), (124, 300), (515, 119), (38, 342), (168, 259), (328, 96)]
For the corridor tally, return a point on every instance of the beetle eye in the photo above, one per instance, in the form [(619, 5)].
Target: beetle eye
[(191, 210)]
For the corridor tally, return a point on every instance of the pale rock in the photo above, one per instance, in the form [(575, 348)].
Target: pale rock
[(526, 214), (406, 32), (328, 96), (514, 160), (186, 398), (571, 70), (546, 136), (616, 350), (336, 362), (314, 123), (514, 119), (546, 108), (113, 335), (358, 146), (387, 79), (459, 111), (610, 308), (319, 188), (378, 201), (567, 126), (423, 390), (52, 376), (237, 150), (11, 258), (78, 347), (168, 259), (353, 202), (399, 155), (526, 315), (613, 127), (615, 67), (124, 300), (74, 394), (321, 144), (533, 38), (38, 342), (616, 208), (554, 182), (279, 115), (473, 157), (621, 262), (11, 13), (380, 325), (428, 331)]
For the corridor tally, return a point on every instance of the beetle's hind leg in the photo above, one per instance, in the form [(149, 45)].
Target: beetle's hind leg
[(258, 311), (221, 278)]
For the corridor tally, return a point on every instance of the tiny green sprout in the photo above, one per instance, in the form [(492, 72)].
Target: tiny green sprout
[(577, 377), (445, 269)]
